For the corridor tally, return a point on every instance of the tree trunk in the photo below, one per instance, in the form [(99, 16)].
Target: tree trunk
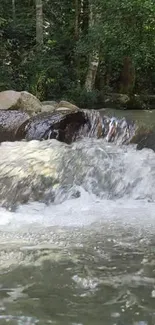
[(39, 23), (92, 71), (76, 19), (128, 76), (84, 16), (13, 11), (93, 57)]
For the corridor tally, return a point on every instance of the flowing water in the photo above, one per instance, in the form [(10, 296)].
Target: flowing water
[(89, 257)]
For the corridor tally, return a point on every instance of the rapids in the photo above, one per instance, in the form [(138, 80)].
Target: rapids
[(82, 253)]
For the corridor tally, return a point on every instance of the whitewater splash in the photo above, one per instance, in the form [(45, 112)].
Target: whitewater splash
[(50, 171)]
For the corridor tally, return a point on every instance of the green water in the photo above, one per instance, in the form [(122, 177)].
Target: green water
[(146, 117)]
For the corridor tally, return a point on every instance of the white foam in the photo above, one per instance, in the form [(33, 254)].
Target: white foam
[(80, 212)]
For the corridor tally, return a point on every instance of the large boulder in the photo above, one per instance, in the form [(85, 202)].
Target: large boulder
[(64, 126), (9, 99), (29, 103), (24, 101)]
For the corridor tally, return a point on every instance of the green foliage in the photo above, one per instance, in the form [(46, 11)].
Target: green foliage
[(84, 99), (58, 70)]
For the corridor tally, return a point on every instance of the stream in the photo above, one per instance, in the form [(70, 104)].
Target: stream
[(88, 256)]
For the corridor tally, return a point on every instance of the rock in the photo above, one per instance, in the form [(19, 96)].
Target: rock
[(27, 172), (28, 103), (10, 122), (94, 127), (136, 102), (116, 100), (50, 102), (123, 101), (64, 126), (63, 109), (68, 105), (47, 108), (144, 138), (119, 131), (149, 101), (8, 99), (122, 131), (24, 101)]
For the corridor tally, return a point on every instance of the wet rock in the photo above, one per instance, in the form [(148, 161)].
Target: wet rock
[(124, 132), (94, 127), (28, 173), (119, 131), (67, 105), (10, 122), (24, 101), (144, 138), (64, 126)]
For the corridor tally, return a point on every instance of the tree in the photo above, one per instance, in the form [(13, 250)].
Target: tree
[(93, 62), (77, 49), (39, 23)]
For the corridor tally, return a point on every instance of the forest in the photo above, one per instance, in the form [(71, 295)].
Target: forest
[(77, 50)]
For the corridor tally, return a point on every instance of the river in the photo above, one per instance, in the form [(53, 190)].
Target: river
[(88, 258)]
